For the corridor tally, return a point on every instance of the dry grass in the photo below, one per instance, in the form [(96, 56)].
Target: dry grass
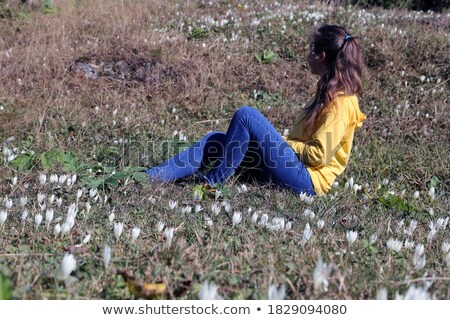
[(158, 65)]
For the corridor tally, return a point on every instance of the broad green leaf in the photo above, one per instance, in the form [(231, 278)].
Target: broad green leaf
[(5, 288), (269, 56), (92, 182), (50, 158), (141, 177), (70, 161), (111, 181), (23, 161), (395, 202)]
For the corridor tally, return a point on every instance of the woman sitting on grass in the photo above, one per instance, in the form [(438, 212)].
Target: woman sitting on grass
[(317, 148)]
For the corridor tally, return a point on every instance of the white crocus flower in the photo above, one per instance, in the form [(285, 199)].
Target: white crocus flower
[(42, 178), (8, 203), (409, 244), (373, 238), (351, 236), (215, 208), (288, 225), (106, 256), (57, 229), (237, 218), (394, 245), (307, 233), (79, 194), (62, 179), (432, 233), (419, 263), (118, 228), (441, 223), (160, 226), (320, 275), (208, 291), (445, 247), (23, 201), (432, 193), (255, 217), (92, 193), (198, 208), (3, 217), (275, 293), (242, 188), (173, 204), (111, 218), (169, 235), (416, 195), (37, 220), (68, 265), (40, 197), (309, 214), (208, 221), (410, 229), (65, 228), (51, 199), (320, 224), (186, 209), (382, 294), (48, 216), (24, 215), (88, 207), (14, 181), (59, 202), (87, 239), (135, 233), (53, 178), (264, 219), (226, 206)]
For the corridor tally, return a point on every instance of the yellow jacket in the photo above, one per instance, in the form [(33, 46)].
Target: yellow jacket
[(326, 150)]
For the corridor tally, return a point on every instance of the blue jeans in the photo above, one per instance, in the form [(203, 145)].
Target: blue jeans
[(251, 146)]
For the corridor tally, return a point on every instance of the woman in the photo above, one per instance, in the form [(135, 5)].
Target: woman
[(318, 147)]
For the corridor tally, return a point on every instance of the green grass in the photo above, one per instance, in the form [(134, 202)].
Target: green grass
[(123, 120)]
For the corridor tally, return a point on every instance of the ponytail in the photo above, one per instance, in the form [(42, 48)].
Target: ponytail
[(344, 61)]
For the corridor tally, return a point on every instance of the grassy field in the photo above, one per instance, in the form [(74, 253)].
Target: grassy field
[(93, 91)]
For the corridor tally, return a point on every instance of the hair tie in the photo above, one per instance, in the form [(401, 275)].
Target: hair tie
[(347, 37)]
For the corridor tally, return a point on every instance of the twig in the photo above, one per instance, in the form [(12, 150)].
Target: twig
[(422, 279), (24, 254)]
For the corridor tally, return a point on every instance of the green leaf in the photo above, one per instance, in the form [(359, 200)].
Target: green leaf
[(134, 169), (50, 158), (111, 181), (141, 177), (435, 182), (23, 161), (5, 288), (92, 182), (269, 56), (258, 57), (395, 202), (70, 161)]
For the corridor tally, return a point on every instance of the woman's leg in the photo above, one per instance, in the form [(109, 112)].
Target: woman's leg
[(191, 160), (274, 158)]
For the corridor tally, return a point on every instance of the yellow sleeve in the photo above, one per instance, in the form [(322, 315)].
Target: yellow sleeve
[(296, 145), (325, 141)]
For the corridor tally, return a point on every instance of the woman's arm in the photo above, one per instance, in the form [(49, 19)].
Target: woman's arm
[(324, 142)]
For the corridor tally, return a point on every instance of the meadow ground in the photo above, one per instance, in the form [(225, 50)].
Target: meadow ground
[(93, 91)]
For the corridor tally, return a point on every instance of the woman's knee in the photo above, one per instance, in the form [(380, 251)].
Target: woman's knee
[(245, 111)]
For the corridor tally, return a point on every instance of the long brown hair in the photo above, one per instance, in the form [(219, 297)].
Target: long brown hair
[(344, 61)]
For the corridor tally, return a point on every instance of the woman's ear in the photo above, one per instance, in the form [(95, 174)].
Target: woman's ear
[(322, 56)]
